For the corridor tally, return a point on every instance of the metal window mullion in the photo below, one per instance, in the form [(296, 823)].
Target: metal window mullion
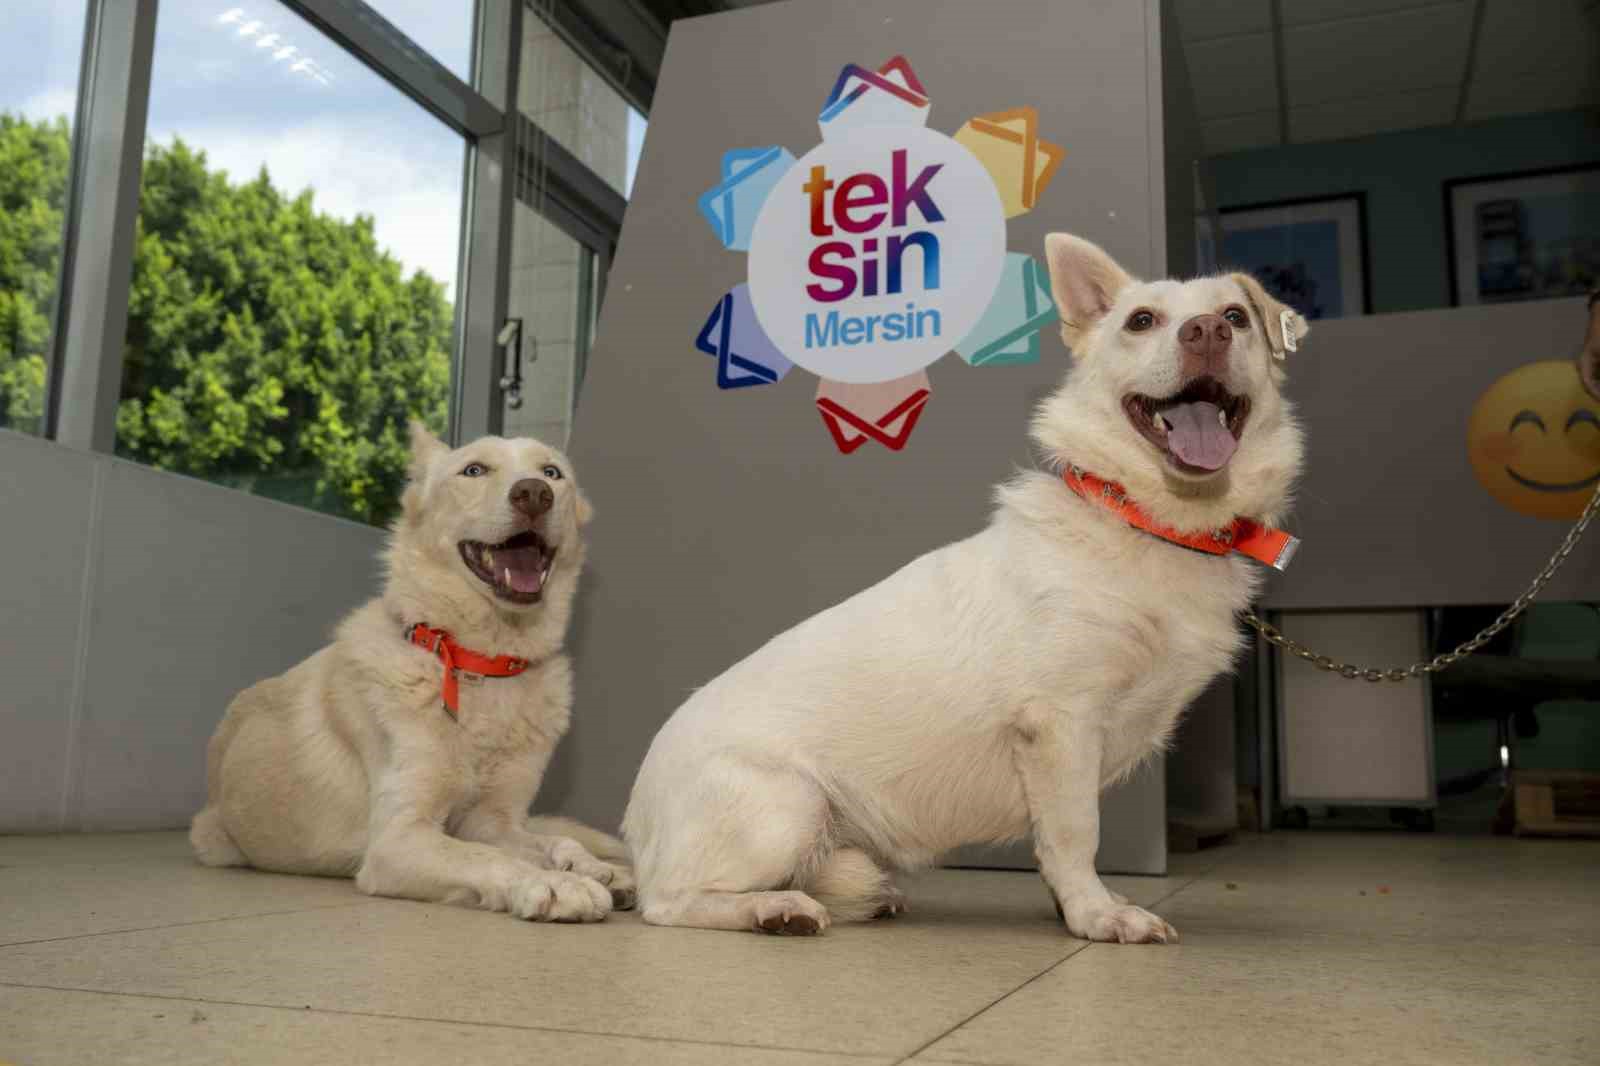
[(373, 40), (103, 228), (572, 220), (486, 248)]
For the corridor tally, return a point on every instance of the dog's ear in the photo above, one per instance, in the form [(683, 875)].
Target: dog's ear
[(425, 447), (1275, 317), (1085, 282), (585, 510)]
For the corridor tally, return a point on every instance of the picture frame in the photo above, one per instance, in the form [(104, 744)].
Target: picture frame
[(1310, 253), (1523, 235)]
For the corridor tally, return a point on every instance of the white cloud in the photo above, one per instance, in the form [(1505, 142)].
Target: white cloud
[(413, 194), (51, 103)]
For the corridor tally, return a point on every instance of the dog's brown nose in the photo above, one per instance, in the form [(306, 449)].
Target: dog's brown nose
[(532, 497), (1205, 340)]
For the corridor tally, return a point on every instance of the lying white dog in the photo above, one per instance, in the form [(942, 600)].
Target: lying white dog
[(996, 685), (406, 753)]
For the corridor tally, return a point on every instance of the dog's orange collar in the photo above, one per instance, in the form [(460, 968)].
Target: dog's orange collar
[(1262, 543), (461, 662)]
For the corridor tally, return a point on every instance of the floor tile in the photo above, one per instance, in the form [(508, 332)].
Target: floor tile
[(96, 848), (1326, 948), (881, 988), (79, 898), (1202, 1003), (117, 1030), (1353, 950)]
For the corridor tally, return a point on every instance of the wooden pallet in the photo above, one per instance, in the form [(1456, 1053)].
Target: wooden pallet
[(1556, 803)]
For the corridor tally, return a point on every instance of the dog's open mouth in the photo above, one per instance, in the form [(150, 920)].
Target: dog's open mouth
[(1198, 429), (516, 569)]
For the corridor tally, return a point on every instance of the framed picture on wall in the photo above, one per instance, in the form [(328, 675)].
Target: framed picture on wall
[(1311, 254), (1528, 236)]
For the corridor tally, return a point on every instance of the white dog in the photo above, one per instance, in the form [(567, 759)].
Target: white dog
[(997, 685), (406, 753)]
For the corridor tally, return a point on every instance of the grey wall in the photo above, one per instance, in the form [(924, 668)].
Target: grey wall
[(1389, 509), (724, 518), (1353, 742), (133, 605)]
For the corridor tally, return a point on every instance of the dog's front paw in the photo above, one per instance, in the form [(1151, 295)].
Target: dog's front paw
[(892, 905), (571, 856), (554, 896), (624, 890), (1119, 923), (787, 914)]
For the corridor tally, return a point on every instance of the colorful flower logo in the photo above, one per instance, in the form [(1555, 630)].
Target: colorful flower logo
[(878, 252)]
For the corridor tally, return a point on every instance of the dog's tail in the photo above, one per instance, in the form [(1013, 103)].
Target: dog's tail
[(212, 844), (852, 887), (600, 845)]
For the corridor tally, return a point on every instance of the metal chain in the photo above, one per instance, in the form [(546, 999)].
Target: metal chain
[(1438, 662)]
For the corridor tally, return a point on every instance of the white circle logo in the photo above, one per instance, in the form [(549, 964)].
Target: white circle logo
[(877, 253)]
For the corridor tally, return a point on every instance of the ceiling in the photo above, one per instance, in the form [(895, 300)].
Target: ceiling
[(1272, 72)]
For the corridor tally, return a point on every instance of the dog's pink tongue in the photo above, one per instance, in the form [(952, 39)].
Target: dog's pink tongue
[(1197, 435), (522, 568)]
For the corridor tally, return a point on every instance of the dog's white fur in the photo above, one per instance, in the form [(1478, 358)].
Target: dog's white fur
[(996, 685), (348, 764)]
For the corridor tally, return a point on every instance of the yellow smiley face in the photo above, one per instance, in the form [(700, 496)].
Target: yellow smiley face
[(1534, 440)]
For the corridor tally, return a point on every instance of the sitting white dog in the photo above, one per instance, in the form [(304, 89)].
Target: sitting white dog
[(405, 754), (997, 685)]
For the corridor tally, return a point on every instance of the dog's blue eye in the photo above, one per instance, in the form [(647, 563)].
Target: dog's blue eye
[(474, 470), (552, 472)]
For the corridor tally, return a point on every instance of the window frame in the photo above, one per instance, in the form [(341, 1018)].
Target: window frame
[(102, 210)]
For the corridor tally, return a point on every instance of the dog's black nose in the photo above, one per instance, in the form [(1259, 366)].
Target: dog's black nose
[(532, 497)]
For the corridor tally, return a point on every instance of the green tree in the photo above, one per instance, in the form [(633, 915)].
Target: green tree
[(33, 193), (268, 347)]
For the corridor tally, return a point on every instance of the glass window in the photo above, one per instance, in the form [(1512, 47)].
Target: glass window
[(637, 124), (442, 27), (570, 101), (295, 272), (41, 48), (553, 281)]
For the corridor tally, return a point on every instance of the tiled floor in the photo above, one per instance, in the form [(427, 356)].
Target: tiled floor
[(1302, 948)]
